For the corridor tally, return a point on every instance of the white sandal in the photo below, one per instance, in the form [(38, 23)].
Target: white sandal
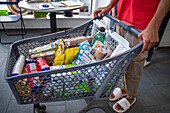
[(118, 94), (124, 103)]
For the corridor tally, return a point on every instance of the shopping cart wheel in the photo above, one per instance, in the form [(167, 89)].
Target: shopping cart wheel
[(39, 108), (101, 104), (43, 107)]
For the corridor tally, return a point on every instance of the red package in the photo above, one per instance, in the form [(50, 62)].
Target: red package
[(42, 63), (32, 67)]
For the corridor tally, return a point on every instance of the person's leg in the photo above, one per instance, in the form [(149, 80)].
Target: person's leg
[(148, 59), (160, 32), (150, 53), (121, 33), (132, 75), (163, 27), (112, 23)]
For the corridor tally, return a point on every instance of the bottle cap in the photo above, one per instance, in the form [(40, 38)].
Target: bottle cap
[(102, 29)]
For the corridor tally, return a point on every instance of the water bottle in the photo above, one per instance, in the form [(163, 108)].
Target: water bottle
[(100, 36)]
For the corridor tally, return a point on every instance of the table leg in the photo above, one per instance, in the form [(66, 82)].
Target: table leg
[(53, 22)]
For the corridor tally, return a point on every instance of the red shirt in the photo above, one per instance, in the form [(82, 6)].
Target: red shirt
[(137, 12)]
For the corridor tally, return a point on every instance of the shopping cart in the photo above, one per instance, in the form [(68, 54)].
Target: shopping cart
[(93, 82)]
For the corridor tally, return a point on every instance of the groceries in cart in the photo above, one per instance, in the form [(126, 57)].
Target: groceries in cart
[(78, 51), (64, 53)]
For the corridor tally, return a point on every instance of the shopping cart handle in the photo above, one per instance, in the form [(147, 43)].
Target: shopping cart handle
[(98, 17), (124, 24)]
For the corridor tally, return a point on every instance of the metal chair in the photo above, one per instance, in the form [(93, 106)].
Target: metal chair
[(12, 19)]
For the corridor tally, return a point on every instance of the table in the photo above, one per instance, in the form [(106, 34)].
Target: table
[(33, 7)]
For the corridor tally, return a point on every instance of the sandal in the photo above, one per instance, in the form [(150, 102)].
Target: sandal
[(118, 94), (124, 103)]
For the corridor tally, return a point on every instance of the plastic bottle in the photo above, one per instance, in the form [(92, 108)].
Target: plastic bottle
[(100, 36)]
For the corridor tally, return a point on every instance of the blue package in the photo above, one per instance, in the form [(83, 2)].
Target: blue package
[(83, 47)]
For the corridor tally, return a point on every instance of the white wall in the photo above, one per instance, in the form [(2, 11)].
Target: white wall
[(101, 3)]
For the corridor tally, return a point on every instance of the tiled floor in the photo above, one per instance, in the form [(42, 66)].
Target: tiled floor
[(153, 92)]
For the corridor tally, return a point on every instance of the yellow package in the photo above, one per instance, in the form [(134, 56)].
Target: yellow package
[(71, 54), (59, 57), (60, 43)]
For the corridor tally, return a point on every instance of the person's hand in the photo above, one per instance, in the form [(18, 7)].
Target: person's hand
[(100, 11), (114, 16), (150, 37)]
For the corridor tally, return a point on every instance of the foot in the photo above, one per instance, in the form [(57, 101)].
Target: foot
[(118, 107), (113, 96), (147, 63)]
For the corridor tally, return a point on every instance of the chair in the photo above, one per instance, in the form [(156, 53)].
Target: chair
[(12, 19)]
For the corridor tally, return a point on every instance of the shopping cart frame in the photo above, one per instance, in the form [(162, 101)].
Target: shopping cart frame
[(94, 101)]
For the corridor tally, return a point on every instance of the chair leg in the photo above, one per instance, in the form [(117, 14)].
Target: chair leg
[(23, 32), (23, 28)]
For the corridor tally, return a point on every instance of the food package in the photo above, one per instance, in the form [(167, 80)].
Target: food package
[(77, 40), (60, 42), (85, 58), (60, 55), (119, 49), (51, 46), (83, 47), (99, 53), (109, 49), (96, 45), (61, 66), (70, 54), (48, 55)]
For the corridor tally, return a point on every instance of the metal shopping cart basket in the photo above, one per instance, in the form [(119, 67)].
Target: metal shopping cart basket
[(93, 82)]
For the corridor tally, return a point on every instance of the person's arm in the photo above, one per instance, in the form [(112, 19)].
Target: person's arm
[(150, 34), (106, 9)]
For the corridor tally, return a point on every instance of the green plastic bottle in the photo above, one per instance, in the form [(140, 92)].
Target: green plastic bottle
[(100, 36)]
